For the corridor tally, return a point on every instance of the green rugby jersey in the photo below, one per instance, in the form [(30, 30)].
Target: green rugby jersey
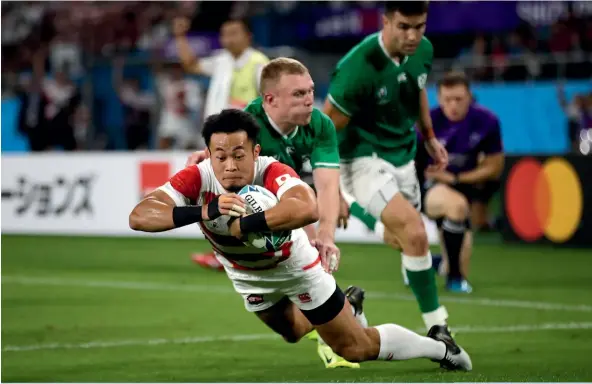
[(381, 97), (315, 142)]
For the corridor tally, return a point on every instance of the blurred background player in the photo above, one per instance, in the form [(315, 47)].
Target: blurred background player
[(472, 137), (181, 100), (292, 297), (375, 98), (234, 72), (138, 106)]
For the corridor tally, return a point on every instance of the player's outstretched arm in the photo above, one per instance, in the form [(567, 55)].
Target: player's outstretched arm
[(153, 214), (158, 212)]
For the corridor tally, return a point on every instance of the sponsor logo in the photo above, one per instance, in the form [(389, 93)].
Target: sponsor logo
[(304, 297), (54, 197), (544, 199), (255, 299)]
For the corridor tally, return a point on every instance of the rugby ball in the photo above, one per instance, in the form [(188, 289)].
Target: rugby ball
[(259, 199)]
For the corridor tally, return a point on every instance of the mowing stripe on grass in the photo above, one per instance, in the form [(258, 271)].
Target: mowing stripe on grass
[(150, 286), (270, 336)]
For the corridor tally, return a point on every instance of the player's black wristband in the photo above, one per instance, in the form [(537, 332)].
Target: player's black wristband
[(214, 209), (253, 223), (183, 216)]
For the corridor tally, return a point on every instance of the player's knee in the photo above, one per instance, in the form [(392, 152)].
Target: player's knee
[(458, 209), (416, 237), (391, 240), (292, 338)]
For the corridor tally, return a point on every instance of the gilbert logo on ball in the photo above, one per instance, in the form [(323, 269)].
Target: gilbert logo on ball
[(544, 199)]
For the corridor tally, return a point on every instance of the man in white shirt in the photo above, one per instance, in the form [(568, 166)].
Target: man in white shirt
[(234, 71)]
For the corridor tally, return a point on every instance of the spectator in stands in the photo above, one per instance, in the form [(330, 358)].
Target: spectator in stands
[(579, 115), (138, 105), (63, 100), (50, 106), (31, 118), (181, 99), (473, 60)]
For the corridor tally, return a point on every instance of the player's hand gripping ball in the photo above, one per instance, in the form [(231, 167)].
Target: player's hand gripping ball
[(259, 199)]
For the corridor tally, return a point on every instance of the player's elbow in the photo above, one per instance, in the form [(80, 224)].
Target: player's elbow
[(138, 221), (310, 214)]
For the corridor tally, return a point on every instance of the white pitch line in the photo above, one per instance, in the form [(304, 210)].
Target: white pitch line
[(271, 336), (149, 286)]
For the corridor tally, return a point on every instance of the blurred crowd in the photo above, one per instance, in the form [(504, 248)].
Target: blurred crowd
[(48, 47), (531, 53)]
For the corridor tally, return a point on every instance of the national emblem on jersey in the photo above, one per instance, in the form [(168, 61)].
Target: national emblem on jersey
[(421, 80), (382, 95)]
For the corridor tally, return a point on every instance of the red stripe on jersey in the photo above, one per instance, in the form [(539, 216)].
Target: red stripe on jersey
[(276, 174), (187, 182), (281, 255), (245, 268), (309, 266), (284, 250)]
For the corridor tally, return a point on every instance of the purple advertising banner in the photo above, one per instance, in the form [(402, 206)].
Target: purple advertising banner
[(445, 17), (202, 45)]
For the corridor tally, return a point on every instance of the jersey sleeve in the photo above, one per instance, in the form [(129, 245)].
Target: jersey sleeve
[(208, 65), (347, 89), (279, 178), (184, 187), (492, 142), (325, 153), (428, 55)]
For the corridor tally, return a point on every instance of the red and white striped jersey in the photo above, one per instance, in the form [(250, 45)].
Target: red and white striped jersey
[(197, 185)]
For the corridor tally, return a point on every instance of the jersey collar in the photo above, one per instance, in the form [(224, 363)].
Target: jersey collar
[(278, 130), (381, 43), (243, 59)]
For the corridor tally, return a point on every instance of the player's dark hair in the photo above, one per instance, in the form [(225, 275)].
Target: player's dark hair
[(454, 78), (406, 8), (244, 22), (231, 121)]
